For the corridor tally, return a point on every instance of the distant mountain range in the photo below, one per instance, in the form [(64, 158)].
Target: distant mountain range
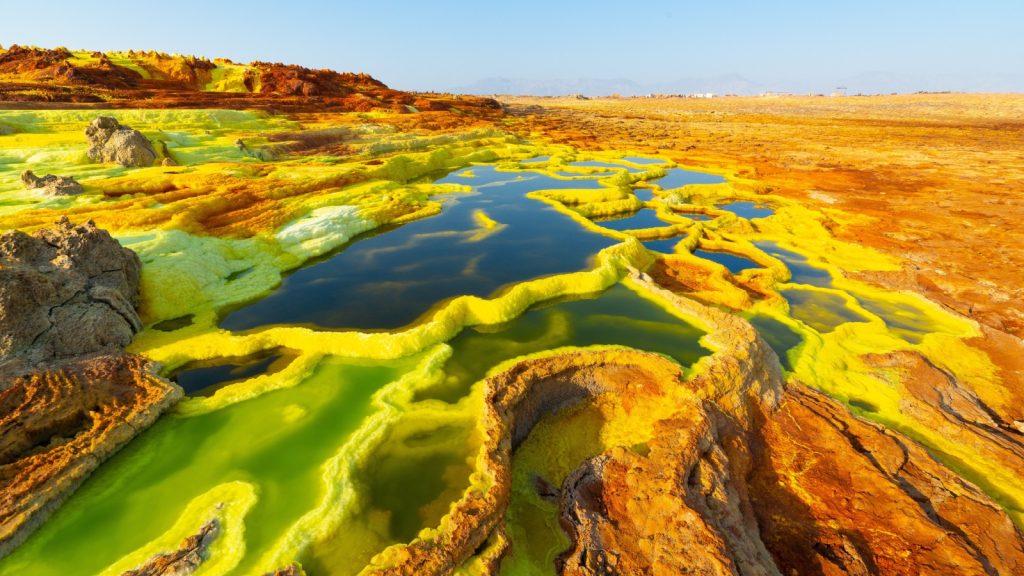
[(878, 82), (727, 84)]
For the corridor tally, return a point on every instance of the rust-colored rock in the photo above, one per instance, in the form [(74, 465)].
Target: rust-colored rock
[(277, 78), (39, 77), (835, 494), (191, 553), (58, 425)]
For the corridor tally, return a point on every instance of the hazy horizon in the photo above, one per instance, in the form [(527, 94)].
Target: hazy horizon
[(658, 46)]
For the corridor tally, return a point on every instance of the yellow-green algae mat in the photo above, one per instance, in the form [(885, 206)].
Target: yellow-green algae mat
[(364, 439)]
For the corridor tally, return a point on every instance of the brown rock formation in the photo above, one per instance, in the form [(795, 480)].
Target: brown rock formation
[(183, 561), (50, 184), (109, 141), (64, 292), (737, 477), (57, 426), (277, 78), (835, 494)]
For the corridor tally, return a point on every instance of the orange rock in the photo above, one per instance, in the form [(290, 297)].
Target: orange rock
[(835, 494), (57, 426)]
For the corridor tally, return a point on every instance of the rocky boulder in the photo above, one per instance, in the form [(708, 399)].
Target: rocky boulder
[(64, 292), (109, 141), (50, 184)]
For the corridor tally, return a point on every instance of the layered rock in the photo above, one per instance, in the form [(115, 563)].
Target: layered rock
[(58, 425), (50, 184), (835, 494), (64, 292), (277, 78), (109, 141), (739, 475)]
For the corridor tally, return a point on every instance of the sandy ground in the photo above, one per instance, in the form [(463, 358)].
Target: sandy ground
[(940, 175)]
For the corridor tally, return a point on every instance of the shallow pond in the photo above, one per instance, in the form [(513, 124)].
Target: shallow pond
[(644, 194), (389, 279), (663, 245), (642, 218), (732, 262), (780, 337), (205, 377), (822, 311), (617, 316), (801, 271), (905, 320), (748, 210), (141, 491), (642, 160), (599, 164)]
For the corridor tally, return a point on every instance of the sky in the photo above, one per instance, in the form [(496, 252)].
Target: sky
[(965, 45)]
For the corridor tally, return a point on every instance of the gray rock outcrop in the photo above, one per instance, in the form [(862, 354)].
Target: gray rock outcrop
[(50, 184), (64, 292), (109, 141)]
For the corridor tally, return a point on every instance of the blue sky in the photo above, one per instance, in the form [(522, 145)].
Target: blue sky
[(440, 44)]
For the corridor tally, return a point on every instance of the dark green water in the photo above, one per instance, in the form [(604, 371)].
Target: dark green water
[(822, 311), (780, 338), (616, 316)]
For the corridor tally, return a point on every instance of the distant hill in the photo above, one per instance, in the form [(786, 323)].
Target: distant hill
[(884, 82), (31, 76), (726, 84)]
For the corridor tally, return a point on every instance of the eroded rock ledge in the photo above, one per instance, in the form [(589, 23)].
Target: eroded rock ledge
[(58, 425)]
